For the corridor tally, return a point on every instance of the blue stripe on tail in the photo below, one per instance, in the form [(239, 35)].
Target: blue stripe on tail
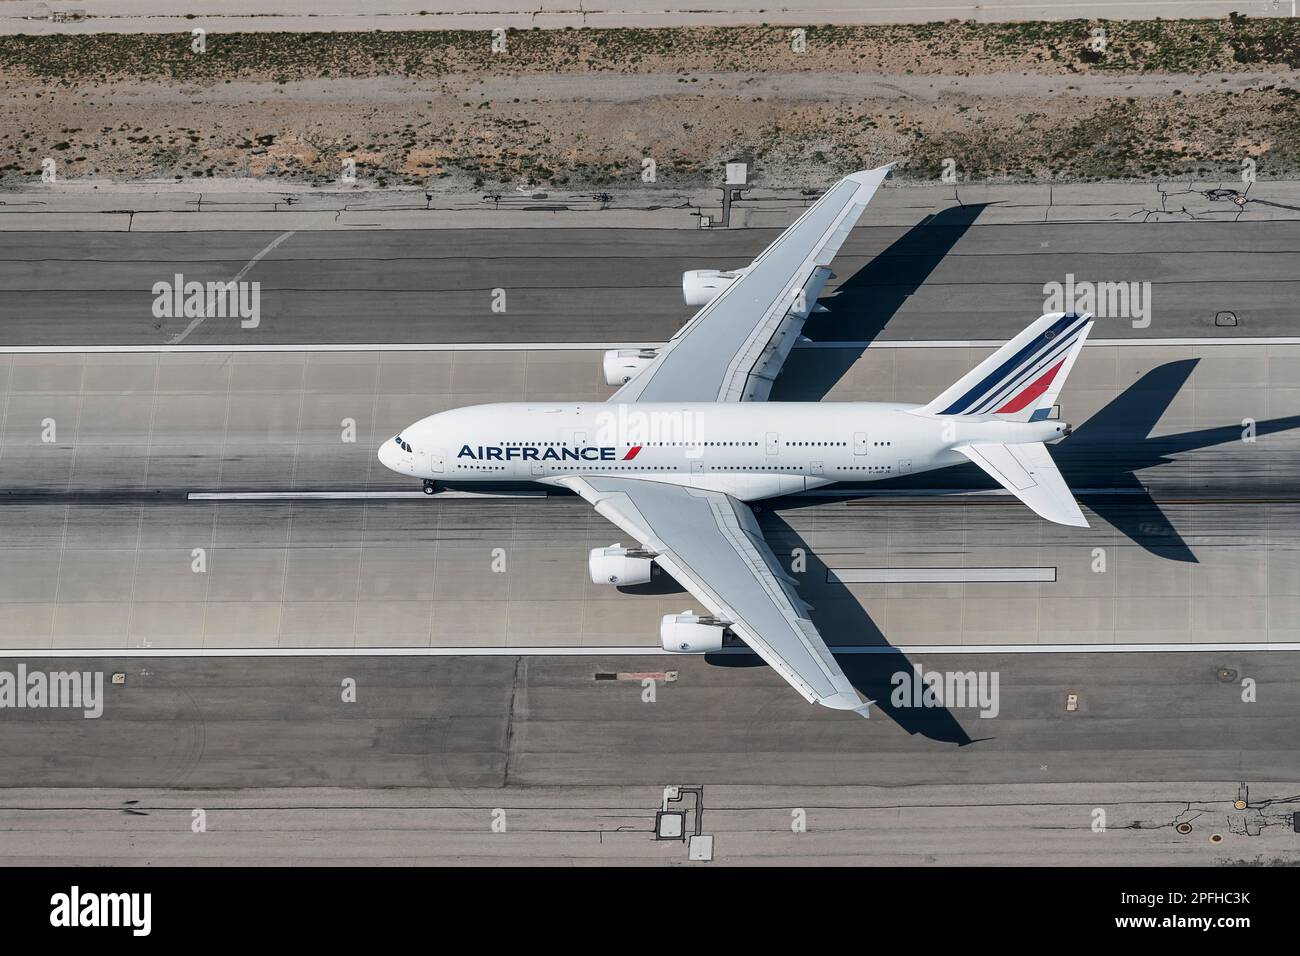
[(1045, 339)]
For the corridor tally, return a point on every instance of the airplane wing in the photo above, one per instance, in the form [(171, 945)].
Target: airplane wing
[(733, 349), (697, 533), (1028, 472)]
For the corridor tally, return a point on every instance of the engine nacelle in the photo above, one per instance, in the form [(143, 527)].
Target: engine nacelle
[(617, 565), (702, 286), (623, 365), (688, 633)]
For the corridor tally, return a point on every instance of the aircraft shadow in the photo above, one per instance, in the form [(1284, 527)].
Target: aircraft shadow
[(1113, 445), (865, 302), (841, 619), (660, 583), (1100, 461)]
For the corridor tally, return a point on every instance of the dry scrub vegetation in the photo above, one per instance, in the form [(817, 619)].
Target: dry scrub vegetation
[(582, 108)]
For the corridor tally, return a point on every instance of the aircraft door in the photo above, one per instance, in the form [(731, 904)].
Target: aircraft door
[(772, 441), (859, 443)]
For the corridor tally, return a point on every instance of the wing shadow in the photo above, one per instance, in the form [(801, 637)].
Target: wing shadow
[(838, 615), (865, 302)]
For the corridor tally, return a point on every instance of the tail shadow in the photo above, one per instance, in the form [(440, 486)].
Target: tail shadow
[(866, 301), (1102, 457), (1108, 450), (840, 618)]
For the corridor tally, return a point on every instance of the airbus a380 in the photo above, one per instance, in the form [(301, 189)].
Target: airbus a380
[(689, 438)]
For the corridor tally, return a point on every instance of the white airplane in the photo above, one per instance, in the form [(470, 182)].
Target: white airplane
[(689, 438)]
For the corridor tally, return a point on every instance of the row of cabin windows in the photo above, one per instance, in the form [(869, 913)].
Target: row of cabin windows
[(589, 466), (681, 444), (644, 444), (764, 468)]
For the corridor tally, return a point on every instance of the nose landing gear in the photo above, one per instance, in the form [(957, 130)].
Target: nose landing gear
[(430, 486)]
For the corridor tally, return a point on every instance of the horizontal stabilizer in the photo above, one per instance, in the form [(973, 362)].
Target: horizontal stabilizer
[(1028, 472)]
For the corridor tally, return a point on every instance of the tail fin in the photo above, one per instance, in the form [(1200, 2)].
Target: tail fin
[(1020, 381)]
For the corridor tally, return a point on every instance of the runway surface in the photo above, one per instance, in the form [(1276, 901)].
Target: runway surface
[(947, 277), (1184, 457), (98, 538), (498, 722), (434, 752)]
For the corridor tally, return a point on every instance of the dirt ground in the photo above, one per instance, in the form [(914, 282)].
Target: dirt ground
[(587, 109)]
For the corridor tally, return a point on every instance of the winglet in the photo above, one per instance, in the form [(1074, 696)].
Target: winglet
[(848, 700), (871, 176)]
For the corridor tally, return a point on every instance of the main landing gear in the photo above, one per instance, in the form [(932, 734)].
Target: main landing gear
[(430, 486)]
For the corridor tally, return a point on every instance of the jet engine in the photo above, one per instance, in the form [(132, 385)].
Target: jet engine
[(619, 565), (623, 365), (702, 286), (688, 633)]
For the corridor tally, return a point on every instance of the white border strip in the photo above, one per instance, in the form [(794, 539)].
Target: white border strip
[(998, 343), (937, 575), (602, 346), (621, 651), (349, 495)]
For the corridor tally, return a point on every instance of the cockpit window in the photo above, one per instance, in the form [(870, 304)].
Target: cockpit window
[(402, 445)]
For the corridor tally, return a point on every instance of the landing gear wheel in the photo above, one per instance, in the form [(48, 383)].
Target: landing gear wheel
[(429, 486)]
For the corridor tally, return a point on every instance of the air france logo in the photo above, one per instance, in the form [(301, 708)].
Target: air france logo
[(529, 453)]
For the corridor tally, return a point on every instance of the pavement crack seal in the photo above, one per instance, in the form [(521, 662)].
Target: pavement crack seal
[(510, 722)]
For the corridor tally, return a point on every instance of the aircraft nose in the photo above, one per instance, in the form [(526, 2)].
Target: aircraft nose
[(388, 455)]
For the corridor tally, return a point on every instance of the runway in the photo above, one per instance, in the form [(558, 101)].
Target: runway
[(99, 534), (946, 277), (486, 723), (433, 753), (1184, 457)]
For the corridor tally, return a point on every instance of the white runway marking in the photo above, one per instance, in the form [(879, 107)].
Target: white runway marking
[(948, 492), (936, 575), (602, 346), (178, 339), (543, 493), (621, 651), (349, 495)]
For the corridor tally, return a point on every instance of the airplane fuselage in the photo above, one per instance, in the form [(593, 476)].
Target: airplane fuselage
[(748, 450)]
